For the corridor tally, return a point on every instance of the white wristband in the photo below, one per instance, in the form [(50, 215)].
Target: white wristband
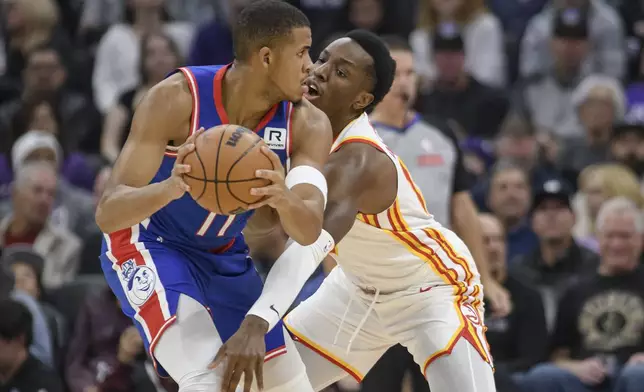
[(307, 175), (287, 277)]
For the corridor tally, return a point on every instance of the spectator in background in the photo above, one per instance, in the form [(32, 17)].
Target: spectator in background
[(29, 24), (27, 268), (213, 42), (33, 198), (365, 14), (41, 114), (514, 16), (606, 37), (600, 103), (45, 80), (627, 142), (598, 343), (73, 208), (509, 197), (41, 346), (597, 184), (482, 36), (106, 352), (117, 58), (457, 95), (558, 261), (98, 15), (547, 96), (519, 340), (19, 371), (159, 57)]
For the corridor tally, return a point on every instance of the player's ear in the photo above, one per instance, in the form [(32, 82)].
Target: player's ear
[(363, 100), (266, 56)]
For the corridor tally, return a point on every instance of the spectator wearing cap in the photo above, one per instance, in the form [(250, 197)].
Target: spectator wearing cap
[(627, 142), (508, 198), (33, 195), (547, 96), (27, 267), (517, 142), (457, 96), (599, 103), (482, 36), (518, 340), (558, 261), (606, 55), (598, 342), (73, 207), (19, 371)]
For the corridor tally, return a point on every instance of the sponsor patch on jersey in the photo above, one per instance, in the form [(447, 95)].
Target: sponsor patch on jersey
[(140, 282), (275, 138), (430, 160)]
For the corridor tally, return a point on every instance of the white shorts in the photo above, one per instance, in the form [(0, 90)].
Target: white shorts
[(429, 322)]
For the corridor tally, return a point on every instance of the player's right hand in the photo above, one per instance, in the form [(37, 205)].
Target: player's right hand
[(177, 187), (590, 371), (243, 355)]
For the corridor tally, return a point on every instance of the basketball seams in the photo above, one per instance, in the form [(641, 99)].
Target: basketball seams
[(232, 166), (203, 168), (221, 140)]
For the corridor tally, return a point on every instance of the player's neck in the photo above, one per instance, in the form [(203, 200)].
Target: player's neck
[(239, 82), (339, 122)]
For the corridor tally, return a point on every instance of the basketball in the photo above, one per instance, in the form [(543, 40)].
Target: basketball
[(222, 169)]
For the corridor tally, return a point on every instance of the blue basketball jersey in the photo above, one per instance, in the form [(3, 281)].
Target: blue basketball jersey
[(183, 221)]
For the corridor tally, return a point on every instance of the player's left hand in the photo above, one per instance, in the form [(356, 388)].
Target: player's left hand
[(243, 354), (276, 194), (498, 297)]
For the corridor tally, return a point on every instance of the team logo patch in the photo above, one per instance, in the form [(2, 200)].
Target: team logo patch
[(275, 138), (140, 280)]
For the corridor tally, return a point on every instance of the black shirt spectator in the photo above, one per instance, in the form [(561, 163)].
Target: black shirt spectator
[(19, 371)]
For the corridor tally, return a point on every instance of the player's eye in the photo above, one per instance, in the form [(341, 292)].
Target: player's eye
[(341, 73)]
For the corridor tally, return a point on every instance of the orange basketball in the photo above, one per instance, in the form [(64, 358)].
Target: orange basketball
[(222, 169)]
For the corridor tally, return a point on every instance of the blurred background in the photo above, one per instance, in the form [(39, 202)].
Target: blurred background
[(540, 104)]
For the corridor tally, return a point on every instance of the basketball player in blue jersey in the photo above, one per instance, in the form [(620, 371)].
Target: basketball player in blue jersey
[(183, 274)]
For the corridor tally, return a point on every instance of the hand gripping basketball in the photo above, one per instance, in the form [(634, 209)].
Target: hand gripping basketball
[(276, 194), (176, 185)]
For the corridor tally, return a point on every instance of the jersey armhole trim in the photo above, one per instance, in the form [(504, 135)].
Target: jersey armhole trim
[(194, 116)]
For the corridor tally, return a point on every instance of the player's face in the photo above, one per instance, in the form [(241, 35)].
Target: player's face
[(291, 64), (340, 78)]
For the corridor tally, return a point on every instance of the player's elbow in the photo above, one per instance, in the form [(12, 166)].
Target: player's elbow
[(102, 220)]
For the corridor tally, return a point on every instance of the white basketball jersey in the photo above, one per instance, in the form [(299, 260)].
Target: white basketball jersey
[(403, 246)]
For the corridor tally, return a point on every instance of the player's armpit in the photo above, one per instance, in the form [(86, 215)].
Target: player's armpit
[(312, 137), (163, 115)]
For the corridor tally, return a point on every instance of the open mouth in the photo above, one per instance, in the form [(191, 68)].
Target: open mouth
[(312, 90)]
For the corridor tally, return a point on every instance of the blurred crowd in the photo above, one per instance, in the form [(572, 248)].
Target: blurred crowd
[(535, 108)]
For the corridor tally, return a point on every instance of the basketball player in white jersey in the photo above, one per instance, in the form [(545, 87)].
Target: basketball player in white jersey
[(401, 277)]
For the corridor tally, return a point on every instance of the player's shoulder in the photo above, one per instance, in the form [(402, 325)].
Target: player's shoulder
[(309, 121), (308, 113), (175, 88), (365, 159)]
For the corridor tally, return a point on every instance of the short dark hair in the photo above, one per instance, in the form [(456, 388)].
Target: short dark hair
[(16, 321), (263, 22), (383, 70), (396, 42)]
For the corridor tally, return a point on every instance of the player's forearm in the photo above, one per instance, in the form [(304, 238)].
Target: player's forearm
[(287, 277), (126, 206), (300, 220)]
